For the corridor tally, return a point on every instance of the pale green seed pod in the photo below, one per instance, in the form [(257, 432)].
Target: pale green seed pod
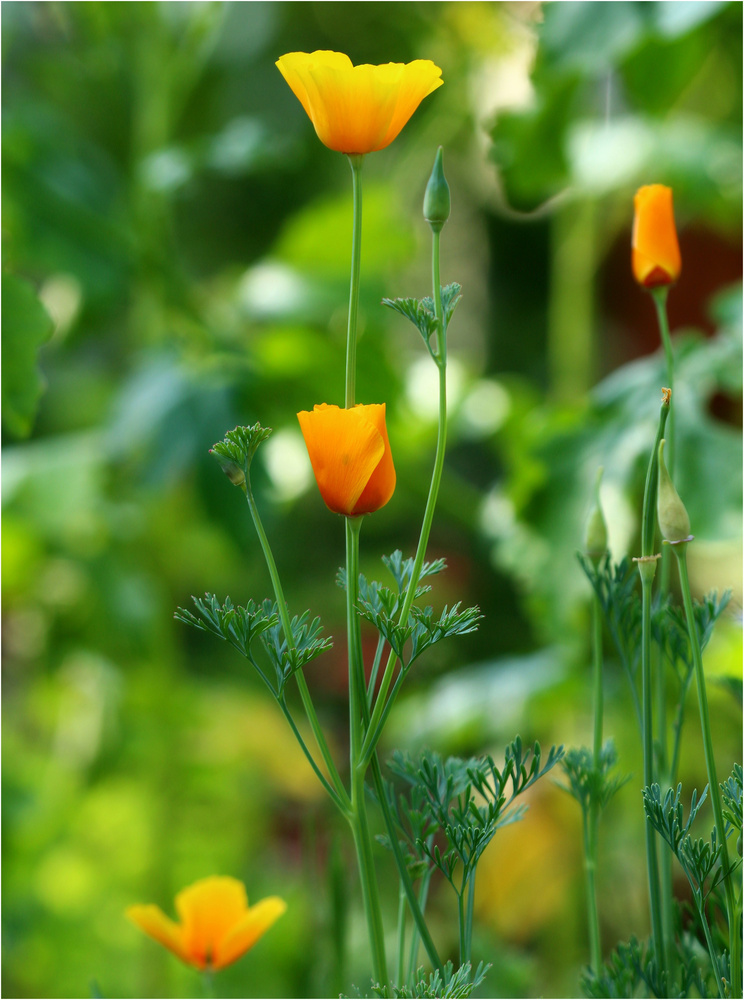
[(674, 522), (595, 529), (437, 196)]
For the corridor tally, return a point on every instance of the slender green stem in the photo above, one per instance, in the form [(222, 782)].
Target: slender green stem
[(401, 954), (598, 679), (400, 861), (303, 746), (659, 296), (370, 896), (647, 569), (357, 688), (652, 862), (469, 916), (373, 731), (590, 868), (415, 936), (591, 817), (207, 978), (461, 924), (355, 161), (710, 763), (375, 670), (286, 625), (700, 907), (358, 708)]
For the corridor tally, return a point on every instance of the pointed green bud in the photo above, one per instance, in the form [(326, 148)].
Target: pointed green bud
[(595, 530), (231, 469), (673, 520), (235, 453), (437, 196)]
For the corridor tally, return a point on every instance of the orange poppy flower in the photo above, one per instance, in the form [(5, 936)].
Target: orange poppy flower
[(216, 924), (357, 109), (656, 256), (350, 455)]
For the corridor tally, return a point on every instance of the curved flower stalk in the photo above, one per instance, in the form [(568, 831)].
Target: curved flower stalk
[(357, 109), (350, 454), (216, 925)]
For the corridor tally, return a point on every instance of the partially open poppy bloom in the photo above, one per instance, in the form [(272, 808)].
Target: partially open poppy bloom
[(216, 924), (656, 256), (350, 455), (357, 109)]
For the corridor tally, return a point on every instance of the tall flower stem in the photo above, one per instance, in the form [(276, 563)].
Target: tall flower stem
[(355, 161), (647, 569), (307, 702), (382, 705), (591, 832), (732, 910), (414, 903), (666, 772), (358, 709)]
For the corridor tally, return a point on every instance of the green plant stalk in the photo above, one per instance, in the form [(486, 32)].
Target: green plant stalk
[(710, 763), (461, 925), (591, 817), (358, 708), (469, 916), (659, 295), (405, 879), (370, 897), (401, 953), (647, 569), (355, 162), (299, 676), (415, 936), (382, 708), (700, 907), (374, 671)]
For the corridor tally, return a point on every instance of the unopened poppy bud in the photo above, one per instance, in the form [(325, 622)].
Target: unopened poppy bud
[(437, 196), (674, 522), (656, 257), (231, 469), (595, 530)]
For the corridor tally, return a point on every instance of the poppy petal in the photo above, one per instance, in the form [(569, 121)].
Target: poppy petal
[(248, 930), (381, 484), (345, 449), (209, 909), (157, 925), (656, 256), (357, 109)]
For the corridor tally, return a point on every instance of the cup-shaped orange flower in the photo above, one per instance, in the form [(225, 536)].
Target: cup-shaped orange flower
[(357, 109), (656, 257), (216, 924), (350, 455)]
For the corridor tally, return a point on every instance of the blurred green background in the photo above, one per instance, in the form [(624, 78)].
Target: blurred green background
[(176, 248)]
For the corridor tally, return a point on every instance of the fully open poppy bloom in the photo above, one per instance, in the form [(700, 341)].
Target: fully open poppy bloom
[(357, 109), (350, 455), (656, 256), (216, 924)]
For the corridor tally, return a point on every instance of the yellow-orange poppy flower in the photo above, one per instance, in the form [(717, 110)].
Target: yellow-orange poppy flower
[(357, 109), (656, 257), (350, 455), (216, 924)]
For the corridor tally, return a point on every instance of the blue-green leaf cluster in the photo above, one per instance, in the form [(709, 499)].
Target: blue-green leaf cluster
[(235, 452), (467, 801), (422, 314), (240, 626), (455, 984), (588, 783)]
